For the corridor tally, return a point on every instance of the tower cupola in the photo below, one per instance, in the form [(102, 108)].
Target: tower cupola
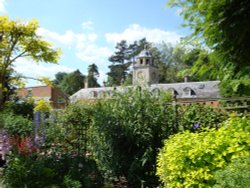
[(144, 70)]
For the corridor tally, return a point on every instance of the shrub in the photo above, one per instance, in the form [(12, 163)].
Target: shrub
[(51, 170), (43, 106), (127, 132), (191, 159), (235, 175), (20, 106), (17, 125), (196, 116)]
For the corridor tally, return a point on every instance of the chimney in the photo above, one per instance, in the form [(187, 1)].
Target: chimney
[(86, 83), (185, 78)]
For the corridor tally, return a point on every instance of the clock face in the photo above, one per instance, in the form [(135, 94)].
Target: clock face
[(140, 75)]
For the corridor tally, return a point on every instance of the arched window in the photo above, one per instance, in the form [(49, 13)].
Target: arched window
[(188, 92), (173, 91), (93, 94)]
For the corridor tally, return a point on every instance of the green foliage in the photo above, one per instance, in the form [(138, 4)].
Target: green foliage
[(61, 160), (69, 183), (126, 133), (73, 124), (22, 107), (59, 78), (92, 76), (51, 170), (223, 27), (191, 159), (18, 40), (199, 115), (235, 175), (122, 59), (174, 63), (72, 82), (119, 67), (209, 19), (201, 65), (17, 125)]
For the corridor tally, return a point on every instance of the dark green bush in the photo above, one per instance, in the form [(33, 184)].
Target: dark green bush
[(64, 171), (127, 132), (17, 125), (197, 116)]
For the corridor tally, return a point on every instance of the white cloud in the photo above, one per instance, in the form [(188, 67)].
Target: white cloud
[(102, 77), (87, 25), (94, 54), (84, 45), (69, 38), (2, 7), (32, 69), (137, 32)]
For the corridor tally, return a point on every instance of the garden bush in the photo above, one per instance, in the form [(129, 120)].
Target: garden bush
[(127, 132), (60, 160), (17, 125), (51, 170), (197, 116), (191, 159), (235, 175)]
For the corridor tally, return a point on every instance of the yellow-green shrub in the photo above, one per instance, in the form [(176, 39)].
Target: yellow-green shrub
[(191, 159)]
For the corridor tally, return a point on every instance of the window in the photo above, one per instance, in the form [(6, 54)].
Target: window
[(147, 61), (141, 61), (173, 91), (188, 92), (93, 94), (29, 94), (60, 100)]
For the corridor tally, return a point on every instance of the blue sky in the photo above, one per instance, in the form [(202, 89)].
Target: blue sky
[(87, 30)]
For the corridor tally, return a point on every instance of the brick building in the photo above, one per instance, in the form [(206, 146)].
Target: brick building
[(57, 98)]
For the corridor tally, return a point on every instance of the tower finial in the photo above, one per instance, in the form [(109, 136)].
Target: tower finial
[(146, 47)]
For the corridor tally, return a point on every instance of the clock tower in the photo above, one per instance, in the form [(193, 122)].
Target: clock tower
[(144, 71)]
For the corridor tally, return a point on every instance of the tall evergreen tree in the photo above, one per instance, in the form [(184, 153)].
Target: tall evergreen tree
[(119, 67), (122, 59), (93, 73)]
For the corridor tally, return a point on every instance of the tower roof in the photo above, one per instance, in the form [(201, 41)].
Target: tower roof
[(144, 53)]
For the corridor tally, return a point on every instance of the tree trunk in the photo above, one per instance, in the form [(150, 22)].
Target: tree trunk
[(2, 86)]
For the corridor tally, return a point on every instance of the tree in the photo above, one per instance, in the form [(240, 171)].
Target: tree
[(119, 67), (72, 82), (122, 59), (18, 40), (200, 65), (223, 26), (92, 76), (176, 62), (59, 77)]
